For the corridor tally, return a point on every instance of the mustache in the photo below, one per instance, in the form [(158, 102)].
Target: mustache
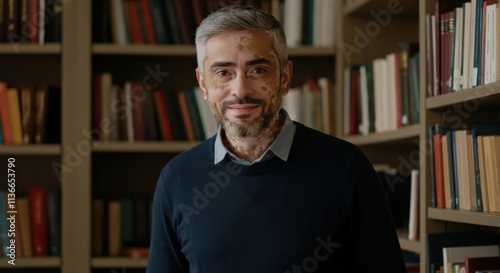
[(245, 100)]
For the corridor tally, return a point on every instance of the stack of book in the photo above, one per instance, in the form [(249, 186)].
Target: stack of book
[(383, 95), (121, 227), (134, 113), (30, 114), (465, 167), (308, 22), (37, 228), (31, 21), (462, 45)]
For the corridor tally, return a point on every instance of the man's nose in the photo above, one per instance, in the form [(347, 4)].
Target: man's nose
[(241, 87)]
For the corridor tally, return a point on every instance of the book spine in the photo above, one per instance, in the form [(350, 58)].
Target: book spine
[(38, 208)]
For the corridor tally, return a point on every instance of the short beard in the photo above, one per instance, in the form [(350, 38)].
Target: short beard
[(243, 128)]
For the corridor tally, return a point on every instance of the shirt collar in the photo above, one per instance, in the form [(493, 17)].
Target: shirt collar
[(280, 147)]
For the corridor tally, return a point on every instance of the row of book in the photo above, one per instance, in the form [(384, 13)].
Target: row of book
[(37, 228), (30, 114), (134, 113), (30, 21), (462, 45), (174, 22), (470, 251), (383, 94), (121, 226), (402, 191), (465, 167)]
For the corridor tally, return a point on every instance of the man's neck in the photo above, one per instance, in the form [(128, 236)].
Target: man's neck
[(251, 148)]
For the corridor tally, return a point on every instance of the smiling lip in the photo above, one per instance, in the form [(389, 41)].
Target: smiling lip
[(242, 108)]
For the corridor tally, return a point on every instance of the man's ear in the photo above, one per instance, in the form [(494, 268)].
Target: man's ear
[(201, 83), (286, 77)]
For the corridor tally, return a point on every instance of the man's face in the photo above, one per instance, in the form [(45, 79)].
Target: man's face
[(242, 81)]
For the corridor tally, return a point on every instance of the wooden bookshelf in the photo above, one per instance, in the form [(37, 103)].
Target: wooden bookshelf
[(33, 149), (403, 135), (32, 262), (480, 97), (406, 244), (118, 262), (47, 49), (145, 147), (467, 217)]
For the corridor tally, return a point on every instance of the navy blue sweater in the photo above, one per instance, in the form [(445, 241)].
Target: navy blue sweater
[(323, 210)]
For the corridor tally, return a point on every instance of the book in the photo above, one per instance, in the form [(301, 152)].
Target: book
[(459, 254), (97, 228), (27, 93), (114, 228), (15, 115), (39, 225), (413, 225), (4, 224), (435, 242), (476, 131), (24, 225), (491, 151), (474, 264), (5, 114), (54, 221)]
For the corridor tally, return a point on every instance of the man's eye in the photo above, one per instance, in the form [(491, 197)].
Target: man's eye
[(258, 70), (222, 73)]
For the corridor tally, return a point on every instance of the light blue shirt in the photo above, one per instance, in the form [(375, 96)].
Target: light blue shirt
[(280, 147)]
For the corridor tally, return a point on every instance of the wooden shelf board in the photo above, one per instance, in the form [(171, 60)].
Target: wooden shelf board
[(32, 262), (146, 147), (6, 48), (401, 135), (119, 262), (466, 217), (406, 244), (190, 50), (31, 149), (364, 7), (483, 97)]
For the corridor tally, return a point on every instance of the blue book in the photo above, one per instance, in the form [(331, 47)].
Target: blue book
[(4, 224), (478, 37), (481, 130)]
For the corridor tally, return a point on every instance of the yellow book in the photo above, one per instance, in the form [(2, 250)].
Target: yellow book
[(15, 116), (24, 222)]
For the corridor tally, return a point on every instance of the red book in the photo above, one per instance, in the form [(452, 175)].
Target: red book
[(482, 263), (148, 21), (438, 170), (181, 96), (134, 21), (34, 24), (39, 226), (5, 114), (162, 114)]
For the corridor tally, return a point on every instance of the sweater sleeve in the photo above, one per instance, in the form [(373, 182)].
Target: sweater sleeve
[(165, 254), (374, 244)]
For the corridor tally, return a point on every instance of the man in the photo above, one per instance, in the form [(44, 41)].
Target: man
[(265, 194)]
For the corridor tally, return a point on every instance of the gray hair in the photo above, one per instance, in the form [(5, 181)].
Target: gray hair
[(235, 18)]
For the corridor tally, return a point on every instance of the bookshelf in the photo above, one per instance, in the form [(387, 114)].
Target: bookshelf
[(98, 169), (480, 104)]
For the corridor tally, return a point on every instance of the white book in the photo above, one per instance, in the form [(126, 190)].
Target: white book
[(392, 105), (118, 22), (291, 103), (435, 88), (381, 100), (328, 19), (41, 23), (494, 43), (466, 47), (458, 254), (317, 22), (457, 48), (363, 97), (472, 71), (487, 43), (413, 222), (293, 22)]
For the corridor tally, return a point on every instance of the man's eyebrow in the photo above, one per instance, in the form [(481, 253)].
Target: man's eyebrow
[(247, 63), (222, 64), (258, 61)]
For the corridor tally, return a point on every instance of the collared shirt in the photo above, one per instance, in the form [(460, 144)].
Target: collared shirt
[(280, 147)]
